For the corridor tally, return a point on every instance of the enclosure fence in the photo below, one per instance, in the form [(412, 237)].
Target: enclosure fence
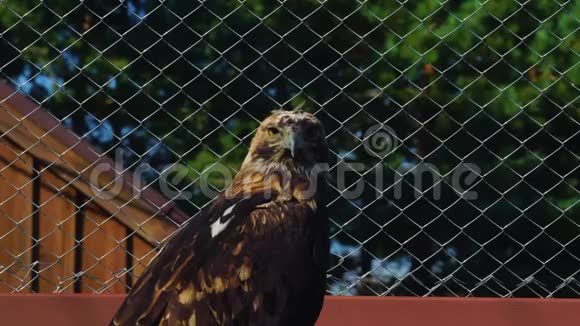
[(453, 128)]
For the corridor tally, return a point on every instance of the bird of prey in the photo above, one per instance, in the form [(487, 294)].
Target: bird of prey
[(259, 254)]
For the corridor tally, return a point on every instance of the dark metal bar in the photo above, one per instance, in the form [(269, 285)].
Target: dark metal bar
[(129, 259), (36, 184), (79, 229)]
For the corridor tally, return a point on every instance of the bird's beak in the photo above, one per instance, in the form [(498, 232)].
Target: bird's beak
[(293, 141)]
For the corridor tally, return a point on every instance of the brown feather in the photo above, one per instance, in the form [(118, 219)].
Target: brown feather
[(267, 267)]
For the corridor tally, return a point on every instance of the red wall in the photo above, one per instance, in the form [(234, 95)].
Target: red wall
[(89, 309)]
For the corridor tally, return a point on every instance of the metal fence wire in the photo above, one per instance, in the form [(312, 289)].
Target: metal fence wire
[(453, 128)]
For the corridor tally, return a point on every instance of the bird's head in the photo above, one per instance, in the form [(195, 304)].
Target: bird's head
[(289, 137), (287, 158)]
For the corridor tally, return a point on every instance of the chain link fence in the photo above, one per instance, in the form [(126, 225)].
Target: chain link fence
[(459, 121)]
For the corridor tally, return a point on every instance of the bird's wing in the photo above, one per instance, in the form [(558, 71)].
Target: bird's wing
[(203, 274)]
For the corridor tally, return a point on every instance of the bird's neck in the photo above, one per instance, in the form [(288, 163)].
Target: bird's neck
[(282, 180)]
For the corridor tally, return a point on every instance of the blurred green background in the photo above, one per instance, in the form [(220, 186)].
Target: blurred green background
[(492, 83)]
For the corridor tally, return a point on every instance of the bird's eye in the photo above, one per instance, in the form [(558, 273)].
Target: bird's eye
[(273, 131)]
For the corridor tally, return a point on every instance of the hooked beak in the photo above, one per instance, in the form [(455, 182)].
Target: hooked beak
[(293, 141)]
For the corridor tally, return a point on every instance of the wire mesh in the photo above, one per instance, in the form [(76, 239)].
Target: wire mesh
[(453, 129)]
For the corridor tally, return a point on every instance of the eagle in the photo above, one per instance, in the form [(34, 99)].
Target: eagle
[(257, 255)]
